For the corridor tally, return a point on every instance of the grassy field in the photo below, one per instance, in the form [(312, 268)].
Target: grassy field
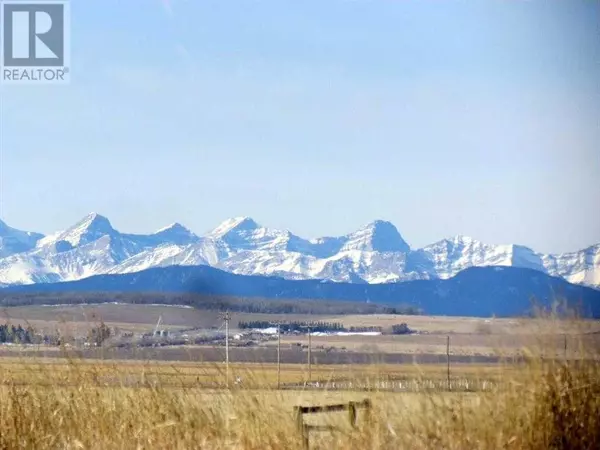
[(70, 371), (82, 404), (169, 398)]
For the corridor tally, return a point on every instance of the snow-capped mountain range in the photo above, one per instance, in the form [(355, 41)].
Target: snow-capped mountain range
[(376, 253)]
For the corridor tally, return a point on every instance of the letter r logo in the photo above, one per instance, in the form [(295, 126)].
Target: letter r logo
[(33, 34)]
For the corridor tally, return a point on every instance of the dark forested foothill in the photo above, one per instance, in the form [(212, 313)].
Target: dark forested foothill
[(199, 301)]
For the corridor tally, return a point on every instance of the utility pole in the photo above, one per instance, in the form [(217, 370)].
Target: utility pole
[(278, 355), (448, 358), (226, 317), (309, 358)]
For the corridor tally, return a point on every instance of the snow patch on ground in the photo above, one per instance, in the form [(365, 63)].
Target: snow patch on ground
[(347, 333), (62, 305)]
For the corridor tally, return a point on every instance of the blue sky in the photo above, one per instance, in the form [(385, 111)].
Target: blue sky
[(460, 117)]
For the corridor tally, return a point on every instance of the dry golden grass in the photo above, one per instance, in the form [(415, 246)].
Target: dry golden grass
[(72, 372), (68, 403), (555, 405)]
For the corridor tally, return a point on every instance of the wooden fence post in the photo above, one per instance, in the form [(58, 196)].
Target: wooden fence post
[(300, 426), (298, 418), (352, 414), (368, 406), (368, 420)]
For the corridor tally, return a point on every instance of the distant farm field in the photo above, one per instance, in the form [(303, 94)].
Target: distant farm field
[(145, 317), (474, 340)]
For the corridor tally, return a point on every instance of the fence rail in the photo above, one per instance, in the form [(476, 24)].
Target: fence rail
[(404, 385), (351, 407)]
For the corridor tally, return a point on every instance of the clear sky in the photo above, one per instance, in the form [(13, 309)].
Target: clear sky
[(479, 118)]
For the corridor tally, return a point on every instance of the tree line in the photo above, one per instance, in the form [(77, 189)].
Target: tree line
[(319, 327), (299, 326), (10, 334), (16, 335)]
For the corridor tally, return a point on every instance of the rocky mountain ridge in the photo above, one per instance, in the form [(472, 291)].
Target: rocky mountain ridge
[(376, 253)]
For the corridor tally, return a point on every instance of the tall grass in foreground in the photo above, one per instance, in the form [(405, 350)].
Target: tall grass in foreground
[(555, 405)]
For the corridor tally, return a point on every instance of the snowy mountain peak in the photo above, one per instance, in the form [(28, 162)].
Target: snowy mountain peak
[(90, 228), (96, 221), (234, 224), (176, 234), (243, 233), (6, 231), (462, 239), (377, 236), (455, 247), (174, 228), (16, 241), (380, 226)]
